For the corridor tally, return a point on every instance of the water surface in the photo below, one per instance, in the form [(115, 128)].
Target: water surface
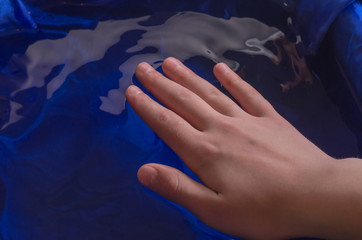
[(70, 144)]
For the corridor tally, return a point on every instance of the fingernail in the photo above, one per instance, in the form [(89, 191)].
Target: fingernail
[(133, 90), (144, 67), (147, 175), (223, 68), (172, 62)]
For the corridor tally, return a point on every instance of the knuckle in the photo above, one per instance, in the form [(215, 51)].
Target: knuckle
[(157, 77), (154, 77), (214, 94), (209, 150), (164, 116), (183, 95), (228, 125), (231, 79), (141, 99), (183, 74), (251, 93), (173, 185)]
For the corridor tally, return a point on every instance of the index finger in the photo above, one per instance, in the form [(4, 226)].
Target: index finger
[(170, 127)]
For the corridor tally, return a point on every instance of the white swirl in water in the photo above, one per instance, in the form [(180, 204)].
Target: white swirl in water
[(184, 35)]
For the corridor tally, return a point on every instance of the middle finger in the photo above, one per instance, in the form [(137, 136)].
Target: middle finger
[(176, 97), (179, 73)]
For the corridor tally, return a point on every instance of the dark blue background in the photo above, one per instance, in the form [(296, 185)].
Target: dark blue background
[(68, 170)]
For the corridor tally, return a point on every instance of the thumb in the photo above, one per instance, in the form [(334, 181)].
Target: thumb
[(179, 188)]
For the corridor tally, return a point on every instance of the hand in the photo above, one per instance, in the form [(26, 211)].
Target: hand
[(263, 179)]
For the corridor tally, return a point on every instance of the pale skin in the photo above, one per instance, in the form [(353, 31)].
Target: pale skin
[(262, 178)]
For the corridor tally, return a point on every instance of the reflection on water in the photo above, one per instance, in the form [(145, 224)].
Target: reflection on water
[(184, 35), (190, 34), (297, 63), (48, 63), (67, 133)]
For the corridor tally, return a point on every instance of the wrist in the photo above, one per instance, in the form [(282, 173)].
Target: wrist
[(332, 206)]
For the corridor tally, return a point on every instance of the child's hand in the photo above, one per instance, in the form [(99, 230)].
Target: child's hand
[(263, 179)]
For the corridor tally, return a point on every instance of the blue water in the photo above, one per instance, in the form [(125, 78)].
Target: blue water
[(70, 145)]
